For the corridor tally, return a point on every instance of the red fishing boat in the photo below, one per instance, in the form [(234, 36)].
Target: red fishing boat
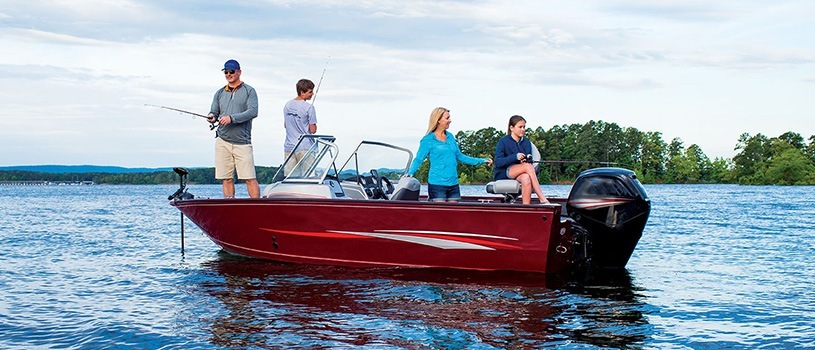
[(353, 215)]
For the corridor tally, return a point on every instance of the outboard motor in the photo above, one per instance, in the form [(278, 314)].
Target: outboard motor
[(610, 207)]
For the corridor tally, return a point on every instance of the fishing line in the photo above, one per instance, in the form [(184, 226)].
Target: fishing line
[(211, 125), (314, 98)]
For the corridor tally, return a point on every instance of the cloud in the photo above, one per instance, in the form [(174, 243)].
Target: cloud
[(677, 10), (81, 72)]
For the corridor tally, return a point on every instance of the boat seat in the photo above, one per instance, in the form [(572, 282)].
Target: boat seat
[(407, 189), (510, 189)]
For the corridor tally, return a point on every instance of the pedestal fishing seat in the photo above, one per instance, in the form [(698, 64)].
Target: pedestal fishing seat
[(407, 189), (511, 188)]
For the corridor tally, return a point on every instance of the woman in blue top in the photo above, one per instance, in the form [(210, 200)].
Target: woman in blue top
[(441, 147), (511, 161)]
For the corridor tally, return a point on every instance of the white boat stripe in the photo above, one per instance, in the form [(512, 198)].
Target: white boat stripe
[(464, 234), (432, 242), (222, 244)]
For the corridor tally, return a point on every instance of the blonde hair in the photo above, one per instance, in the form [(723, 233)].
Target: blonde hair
[(435, 115)]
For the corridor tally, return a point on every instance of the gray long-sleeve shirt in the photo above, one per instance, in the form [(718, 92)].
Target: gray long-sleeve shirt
[(241, 104)]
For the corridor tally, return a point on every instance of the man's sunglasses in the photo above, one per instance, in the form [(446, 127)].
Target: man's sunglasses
[(227, 71)]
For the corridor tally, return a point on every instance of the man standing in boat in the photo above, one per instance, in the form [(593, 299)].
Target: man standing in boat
[(233, 108), (299, 118)]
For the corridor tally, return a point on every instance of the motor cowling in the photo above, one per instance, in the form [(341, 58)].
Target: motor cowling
[(613, 207)]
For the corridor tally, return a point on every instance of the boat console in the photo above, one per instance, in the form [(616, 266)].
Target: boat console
[(369, 172)]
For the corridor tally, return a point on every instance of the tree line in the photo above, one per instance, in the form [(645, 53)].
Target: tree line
[(195, 176), (570, 149)]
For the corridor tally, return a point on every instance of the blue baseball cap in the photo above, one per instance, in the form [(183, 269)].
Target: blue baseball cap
[(232, 65)]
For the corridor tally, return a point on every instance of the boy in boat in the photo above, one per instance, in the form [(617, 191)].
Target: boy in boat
[(299, 118)]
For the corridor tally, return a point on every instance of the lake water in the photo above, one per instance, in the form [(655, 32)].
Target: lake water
[(718, 266)]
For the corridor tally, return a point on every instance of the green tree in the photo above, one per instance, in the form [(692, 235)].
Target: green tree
[(631, 145), (676, 147), (681, 170), (793, 139), (721, 170), (791, 167), (676, 157), (480, 144), (749, 164), (701, 165), (570, 149), (653, 157), (809, 151)]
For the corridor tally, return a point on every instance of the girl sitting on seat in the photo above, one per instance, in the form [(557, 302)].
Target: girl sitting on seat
[(512, 160)]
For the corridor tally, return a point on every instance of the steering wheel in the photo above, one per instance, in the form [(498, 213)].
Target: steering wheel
[(385, 186), (376, 188), (369, 185)]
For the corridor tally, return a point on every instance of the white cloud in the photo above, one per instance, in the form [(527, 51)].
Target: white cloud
[(78, 74)]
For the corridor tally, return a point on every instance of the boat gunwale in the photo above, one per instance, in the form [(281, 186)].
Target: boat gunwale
[(467, 201)]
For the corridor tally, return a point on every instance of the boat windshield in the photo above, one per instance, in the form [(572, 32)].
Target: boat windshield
[(370, 156), (314, 165)]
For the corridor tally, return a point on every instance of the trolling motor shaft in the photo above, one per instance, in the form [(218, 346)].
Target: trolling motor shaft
[(181, 194)]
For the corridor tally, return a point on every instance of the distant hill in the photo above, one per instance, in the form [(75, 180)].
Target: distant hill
[(62, 169), (114, 175)]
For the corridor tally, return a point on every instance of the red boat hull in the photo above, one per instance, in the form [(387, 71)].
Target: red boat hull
[(364, 233)]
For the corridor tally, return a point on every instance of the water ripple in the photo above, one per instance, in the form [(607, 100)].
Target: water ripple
[(100, 267)]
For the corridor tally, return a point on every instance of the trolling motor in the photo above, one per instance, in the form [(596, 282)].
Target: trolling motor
[(181, 193), (610, 208)]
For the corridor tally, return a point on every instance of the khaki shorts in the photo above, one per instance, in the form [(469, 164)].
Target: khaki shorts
[(298, 155), (229, 157)]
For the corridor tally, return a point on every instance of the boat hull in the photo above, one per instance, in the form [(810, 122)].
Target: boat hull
[(364, 233)]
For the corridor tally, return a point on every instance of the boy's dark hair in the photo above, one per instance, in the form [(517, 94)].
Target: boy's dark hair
[(304, 85)]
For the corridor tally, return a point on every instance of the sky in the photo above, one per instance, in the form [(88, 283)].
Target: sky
[(75, 75)]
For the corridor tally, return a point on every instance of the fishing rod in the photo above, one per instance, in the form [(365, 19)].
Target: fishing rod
[(314, 98), (211, 125), (568, 161)]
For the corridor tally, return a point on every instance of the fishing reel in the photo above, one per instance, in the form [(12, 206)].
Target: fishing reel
[(527, 158), (214, 124)]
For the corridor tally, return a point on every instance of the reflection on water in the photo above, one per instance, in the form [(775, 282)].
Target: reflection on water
[(98, 267), (276, 304)]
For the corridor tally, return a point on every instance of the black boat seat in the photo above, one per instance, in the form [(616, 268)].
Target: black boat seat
[(407, 189)]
